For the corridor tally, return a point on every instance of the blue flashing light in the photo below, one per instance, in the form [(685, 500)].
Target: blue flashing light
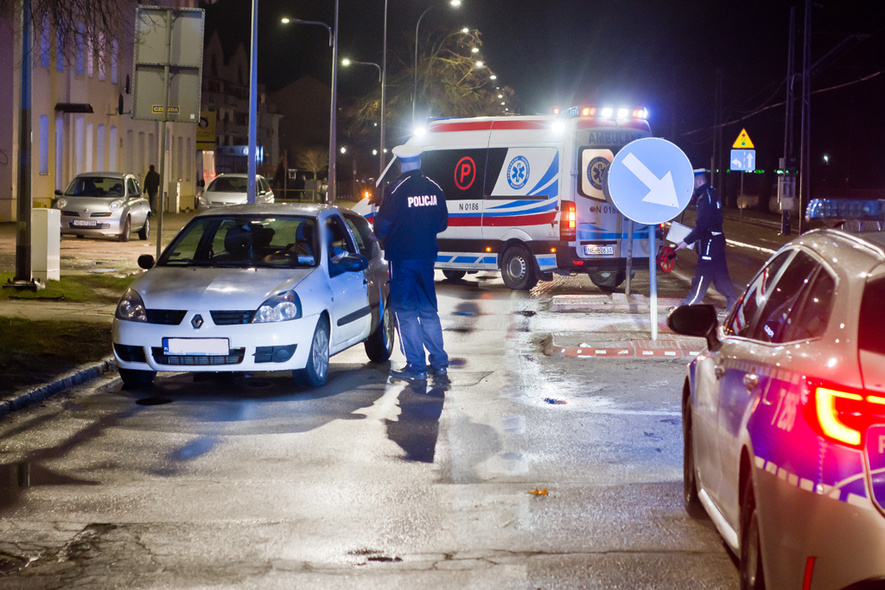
[(846, 209)]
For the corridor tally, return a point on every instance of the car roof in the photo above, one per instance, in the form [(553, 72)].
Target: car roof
[(306, 209), (852, 252), (236, 175), (108, 174)]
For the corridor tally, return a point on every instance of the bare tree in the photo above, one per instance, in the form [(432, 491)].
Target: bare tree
[(314, 160), (450, 85), (72, 24)]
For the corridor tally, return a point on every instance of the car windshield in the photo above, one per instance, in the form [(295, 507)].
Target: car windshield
[(228, 184), (244, 241), (96, 186)]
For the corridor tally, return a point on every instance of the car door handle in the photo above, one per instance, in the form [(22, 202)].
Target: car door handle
[(751, 380), (719, 371)]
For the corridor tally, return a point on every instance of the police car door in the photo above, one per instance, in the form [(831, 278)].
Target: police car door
[(351, 313)]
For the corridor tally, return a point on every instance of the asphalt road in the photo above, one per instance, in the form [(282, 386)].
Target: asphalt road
[(247, 482)]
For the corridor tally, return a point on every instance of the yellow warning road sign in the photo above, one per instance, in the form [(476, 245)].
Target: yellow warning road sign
[(743, 142)]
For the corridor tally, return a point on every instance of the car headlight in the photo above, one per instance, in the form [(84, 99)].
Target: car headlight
[(131, 307), (279, 308), (61, 202), (115, 205)]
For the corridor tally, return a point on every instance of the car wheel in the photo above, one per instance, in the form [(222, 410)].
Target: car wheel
[(379, 345), (145, 231), (692, 500), (518, 268), (127, 229), (317, 370), (454, 275), (608, 281), (133, 378), (752, 574)]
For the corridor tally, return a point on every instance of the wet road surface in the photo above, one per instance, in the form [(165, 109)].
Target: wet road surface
[(246, 482)]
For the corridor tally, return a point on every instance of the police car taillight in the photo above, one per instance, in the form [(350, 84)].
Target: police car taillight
[(568, 222), (843, 414)]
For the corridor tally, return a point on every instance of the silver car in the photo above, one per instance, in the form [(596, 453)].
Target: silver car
[(109, 204), (231, 189), (784, 416)]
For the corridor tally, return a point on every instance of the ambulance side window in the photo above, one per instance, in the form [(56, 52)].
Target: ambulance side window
[(458, 172)]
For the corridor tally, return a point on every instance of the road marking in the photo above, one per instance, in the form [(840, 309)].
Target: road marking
[(768, 251)]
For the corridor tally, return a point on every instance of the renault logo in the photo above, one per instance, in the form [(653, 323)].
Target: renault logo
[(197, 321)]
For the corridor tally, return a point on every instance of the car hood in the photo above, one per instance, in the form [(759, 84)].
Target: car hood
[(166, 287), (230, 198)]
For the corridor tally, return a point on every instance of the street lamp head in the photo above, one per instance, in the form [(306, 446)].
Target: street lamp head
[(345, 62), (475, 50), (285, 20), (493, 77), (479, 64), (465, 30), (455, 3)]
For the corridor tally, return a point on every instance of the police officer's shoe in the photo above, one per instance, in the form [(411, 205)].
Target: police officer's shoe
[(409, 373), (440, 372)]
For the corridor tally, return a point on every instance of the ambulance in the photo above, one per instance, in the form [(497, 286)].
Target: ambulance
[(527, 195)]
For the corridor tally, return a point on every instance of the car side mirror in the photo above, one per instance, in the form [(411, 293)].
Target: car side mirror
[(58, 192), (696, 320), (146, 261), (352, 263)]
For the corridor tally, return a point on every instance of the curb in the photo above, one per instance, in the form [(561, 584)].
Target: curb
[(41, 392)]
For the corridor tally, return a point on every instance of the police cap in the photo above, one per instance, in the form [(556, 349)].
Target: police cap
[(408, 152)]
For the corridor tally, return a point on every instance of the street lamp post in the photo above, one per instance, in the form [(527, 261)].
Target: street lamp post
[(333, 115), (383, 91), (455, 3)]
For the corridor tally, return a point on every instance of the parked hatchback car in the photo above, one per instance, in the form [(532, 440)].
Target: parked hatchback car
[(257, 288), (231, 189), (784, 416), (108, 204)]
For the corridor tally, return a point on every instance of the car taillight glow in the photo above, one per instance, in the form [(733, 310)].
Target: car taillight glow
[(843, 414), (568, 222)]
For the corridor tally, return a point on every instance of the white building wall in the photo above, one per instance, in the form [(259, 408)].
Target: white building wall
[(79, 141)]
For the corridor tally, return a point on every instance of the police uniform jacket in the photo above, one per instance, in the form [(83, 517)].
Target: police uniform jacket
[(412, 213), (707, 231)]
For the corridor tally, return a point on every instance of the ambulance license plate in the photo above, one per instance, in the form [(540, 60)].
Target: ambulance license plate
[(599, 250)]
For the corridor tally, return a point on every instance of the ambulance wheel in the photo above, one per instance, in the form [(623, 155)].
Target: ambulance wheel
[(608, 280), (518, 268), (454, 275)]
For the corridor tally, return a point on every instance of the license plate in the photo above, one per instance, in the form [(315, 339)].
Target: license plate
[(84, 223), (599, 250), (196, 346)]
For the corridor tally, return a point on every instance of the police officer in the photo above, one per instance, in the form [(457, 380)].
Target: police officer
[(707, 232), (412, 213)]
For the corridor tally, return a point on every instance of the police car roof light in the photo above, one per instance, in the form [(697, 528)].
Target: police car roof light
[(856, 209)]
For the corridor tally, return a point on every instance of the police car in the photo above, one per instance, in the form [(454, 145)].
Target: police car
[(257, 288), (784, 416)]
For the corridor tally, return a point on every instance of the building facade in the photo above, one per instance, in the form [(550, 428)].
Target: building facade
[(81, 114)]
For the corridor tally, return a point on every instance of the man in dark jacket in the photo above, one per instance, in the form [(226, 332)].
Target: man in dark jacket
[(412, 213), (152, 187), (707, 232)]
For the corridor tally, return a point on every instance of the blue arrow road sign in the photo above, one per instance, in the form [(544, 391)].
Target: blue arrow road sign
[(743, 160), (650, 180)]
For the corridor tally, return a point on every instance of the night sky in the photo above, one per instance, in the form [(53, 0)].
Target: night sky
[(663, 55)]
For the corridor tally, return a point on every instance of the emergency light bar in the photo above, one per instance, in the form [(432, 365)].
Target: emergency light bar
[(846, 209), (605, 112)]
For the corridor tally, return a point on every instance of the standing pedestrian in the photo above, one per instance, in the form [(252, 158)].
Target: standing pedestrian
[(707, 232), (152, 187), (412, 213)]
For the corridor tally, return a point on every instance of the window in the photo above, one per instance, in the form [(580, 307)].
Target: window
[(99, 147), (81, 49), (90, 63), (339, 242), (361, 231), (810, 319), (59, 151), (44, 42), (871, 323), (115, 45), (742, 321), (112, 152), (44, 144), (59, 50), (89, 146), (79, 144), (774, 319), (101, 56), (132, 187)]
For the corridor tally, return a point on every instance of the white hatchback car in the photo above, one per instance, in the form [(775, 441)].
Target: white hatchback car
[(257, 288), (231, 189), (784, 416)]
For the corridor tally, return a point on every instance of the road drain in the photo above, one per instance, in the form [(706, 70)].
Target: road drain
[(153, 401)]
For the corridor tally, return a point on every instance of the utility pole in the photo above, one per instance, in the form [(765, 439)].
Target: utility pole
[(787, 181), (805, 136)]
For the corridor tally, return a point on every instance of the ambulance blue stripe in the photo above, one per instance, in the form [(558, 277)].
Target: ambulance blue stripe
[(545, 207), (549, 175), (553, 193)]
